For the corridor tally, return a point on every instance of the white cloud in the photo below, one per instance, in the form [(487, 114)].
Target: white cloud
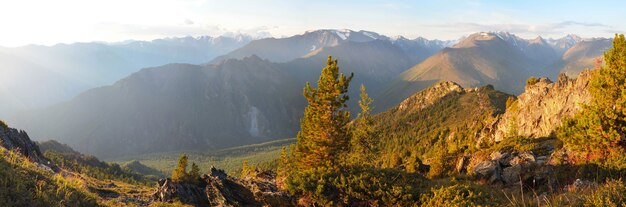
[(519, 28)]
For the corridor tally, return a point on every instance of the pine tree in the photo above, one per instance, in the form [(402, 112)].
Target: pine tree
[(194, 173), (324, 132), (245, 169), (599, 131), (363, 144), (180, 173), (283, 163)]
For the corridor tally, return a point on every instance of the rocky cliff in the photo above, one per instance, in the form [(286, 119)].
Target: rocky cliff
[(541, 108), (18, 140)]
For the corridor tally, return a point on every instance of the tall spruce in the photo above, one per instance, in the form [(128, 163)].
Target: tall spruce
[(324, 133), (599, 131), (364, 143)]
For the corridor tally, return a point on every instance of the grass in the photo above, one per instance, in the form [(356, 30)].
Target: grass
[(230, 159)]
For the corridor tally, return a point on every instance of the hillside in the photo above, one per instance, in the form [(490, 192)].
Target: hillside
[(442, 119), (176, 107), (30, 178)]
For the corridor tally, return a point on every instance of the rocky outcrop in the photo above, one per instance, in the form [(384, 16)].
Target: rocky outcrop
[(508, 168), (218, 189), (431, 96), (18, 140), (541, 108), (511, 168), (168, 190)]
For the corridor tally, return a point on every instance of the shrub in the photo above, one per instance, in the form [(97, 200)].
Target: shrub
[(532, 81), (456, 195), (597, 132), (612, 193), (357, 186), (510, 101)]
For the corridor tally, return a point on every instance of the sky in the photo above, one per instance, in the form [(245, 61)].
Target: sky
[(48, 22)]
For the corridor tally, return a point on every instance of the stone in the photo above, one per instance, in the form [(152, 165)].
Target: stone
[(523, 158), (541, 108), (13, 139), (167, 190), (218, 189), (511, 175), (461, 165), (489, 170), (503, 158)]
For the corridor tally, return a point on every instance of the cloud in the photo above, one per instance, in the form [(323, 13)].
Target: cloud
[(522, 28), (614, 31), (574, 23), (146, 32)]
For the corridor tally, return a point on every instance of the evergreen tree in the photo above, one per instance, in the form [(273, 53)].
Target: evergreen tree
[(599, 131), (180, 173), (363, 144), (248, 170), (194, 173), (283, 163), (324, 132)]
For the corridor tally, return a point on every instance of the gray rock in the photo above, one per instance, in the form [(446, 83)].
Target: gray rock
[(13, 139), (523, 158), (218, 189), (489, 170), (512, 175)]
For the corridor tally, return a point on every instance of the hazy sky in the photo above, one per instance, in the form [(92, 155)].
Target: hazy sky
[(64, 21)]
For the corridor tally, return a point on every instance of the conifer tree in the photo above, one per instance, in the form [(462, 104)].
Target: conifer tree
[(363, 144), (245, 169), (599, 131), (194, 173), (324, 133), (283, 163), (180, 173)]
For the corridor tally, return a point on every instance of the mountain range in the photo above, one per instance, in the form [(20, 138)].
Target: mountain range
[(39, 76), (499, 59), (254, 92)]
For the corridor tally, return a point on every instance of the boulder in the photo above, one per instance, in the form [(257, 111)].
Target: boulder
[(218, 189), (489, 170), (188, 193), (511, 175), (523, 158), (503, 158)]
